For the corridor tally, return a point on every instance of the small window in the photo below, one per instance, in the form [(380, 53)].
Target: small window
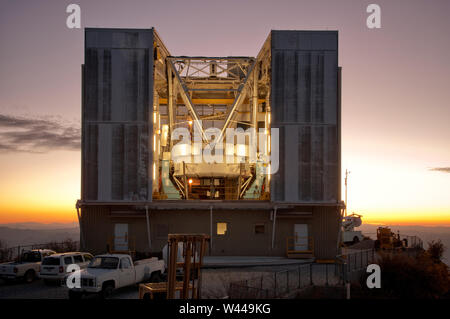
[(221, 229), (51, 261), (259, 229), (68, 260), (125, 263), (87, 257), (31, 257), (78, 259)]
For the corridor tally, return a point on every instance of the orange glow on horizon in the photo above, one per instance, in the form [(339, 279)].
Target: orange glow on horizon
[(39, 187)]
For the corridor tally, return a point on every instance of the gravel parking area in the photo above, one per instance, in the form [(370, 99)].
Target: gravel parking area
[(38, 290), (215, 283)]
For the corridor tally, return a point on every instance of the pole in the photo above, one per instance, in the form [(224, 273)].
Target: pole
[(347, 172), (348, 290), (210, 228), (273, 226), (82, 239), (149, 238), (299, 277)]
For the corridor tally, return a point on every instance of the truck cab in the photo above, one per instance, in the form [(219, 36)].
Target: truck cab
[(27, 266), (112, 271)]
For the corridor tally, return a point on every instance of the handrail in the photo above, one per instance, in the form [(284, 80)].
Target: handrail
[(290, 241)]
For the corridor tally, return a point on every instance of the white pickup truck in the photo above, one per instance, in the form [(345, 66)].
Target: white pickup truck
[(26, 267), (112, 271)]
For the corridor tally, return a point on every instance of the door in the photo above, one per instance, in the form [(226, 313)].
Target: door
[(126, 272), (301, 236), (121, 237)]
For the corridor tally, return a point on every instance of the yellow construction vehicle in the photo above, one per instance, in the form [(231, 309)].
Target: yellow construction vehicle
[(387, 240)]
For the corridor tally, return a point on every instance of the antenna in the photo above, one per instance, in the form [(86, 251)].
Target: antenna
[(347, 172)]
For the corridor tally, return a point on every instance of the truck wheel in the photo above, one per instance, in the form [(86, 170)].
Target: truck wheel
[(29, 276), (107, 290), (74, 295), (355, 240)]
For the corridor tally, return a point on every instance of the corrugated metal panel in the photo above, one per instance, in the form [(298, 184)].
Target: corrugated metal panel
[(117, 108), (96, 228), (325, 229), (305, 109)]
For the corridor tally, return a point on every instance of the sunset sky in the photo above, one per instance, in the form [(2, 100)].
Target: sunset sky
[(395, 95)]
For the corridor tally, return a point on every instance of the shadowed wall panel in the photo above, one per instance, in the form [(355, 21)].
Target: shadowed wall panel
[(305, 107), (118, 95)]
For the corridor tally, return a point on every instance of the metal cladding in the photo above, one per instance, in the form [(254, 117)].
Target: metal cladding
[(116, 114), (305, 108)]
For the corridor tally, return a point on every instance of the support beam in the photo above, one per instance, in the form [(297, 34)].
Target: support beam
[(238, 195), (82, 239), (215, 101), (211, 228), (170, 104), (185, 181), (255, 100), (149, 238), (237, 102), (273, 226), (187, 100)]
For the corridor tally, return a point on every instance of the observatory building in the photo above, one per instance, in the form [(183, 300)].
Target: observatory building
[(244, 149)]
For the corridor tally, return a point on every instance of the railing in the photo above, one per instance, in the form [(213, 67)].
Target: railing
[(411, 241), (12, 253), (293, 241), (347, 268), (282, 283), (354, 263), (130, 242)]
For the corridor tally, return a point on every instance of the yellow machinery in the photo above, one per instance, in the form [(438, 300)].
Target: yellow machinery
[(387, 240)]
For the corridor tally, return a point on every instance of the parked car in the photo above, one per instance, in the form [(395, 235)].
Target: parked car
[(54, 267), (27, 266), (112, 271)]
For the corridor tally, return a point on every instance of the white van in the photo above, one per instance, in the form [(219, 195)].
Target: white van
[(54, 268)]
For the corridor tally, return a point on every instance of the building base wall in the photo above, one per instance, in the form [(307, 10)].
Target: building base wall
[(248, 233)]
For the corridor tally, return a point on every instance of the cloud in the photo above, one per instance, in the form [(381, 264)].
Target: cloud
[(441, 169), (37, 135)]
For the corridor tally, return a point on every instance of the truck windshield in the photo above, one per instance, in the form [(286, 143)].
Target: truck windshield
[(30, 257), (104, 263)]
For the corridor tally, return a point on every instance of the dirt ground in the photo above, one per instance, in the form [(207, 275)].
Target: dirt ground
[(215, 283)]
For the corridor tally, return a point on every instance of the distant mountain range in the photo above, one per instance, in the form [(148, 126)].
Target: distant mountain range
[(34, 233), (34, 226)]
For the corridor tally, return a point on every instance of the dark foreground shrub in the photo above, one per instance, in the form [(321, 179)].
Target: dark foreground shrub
[(402, 276)]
